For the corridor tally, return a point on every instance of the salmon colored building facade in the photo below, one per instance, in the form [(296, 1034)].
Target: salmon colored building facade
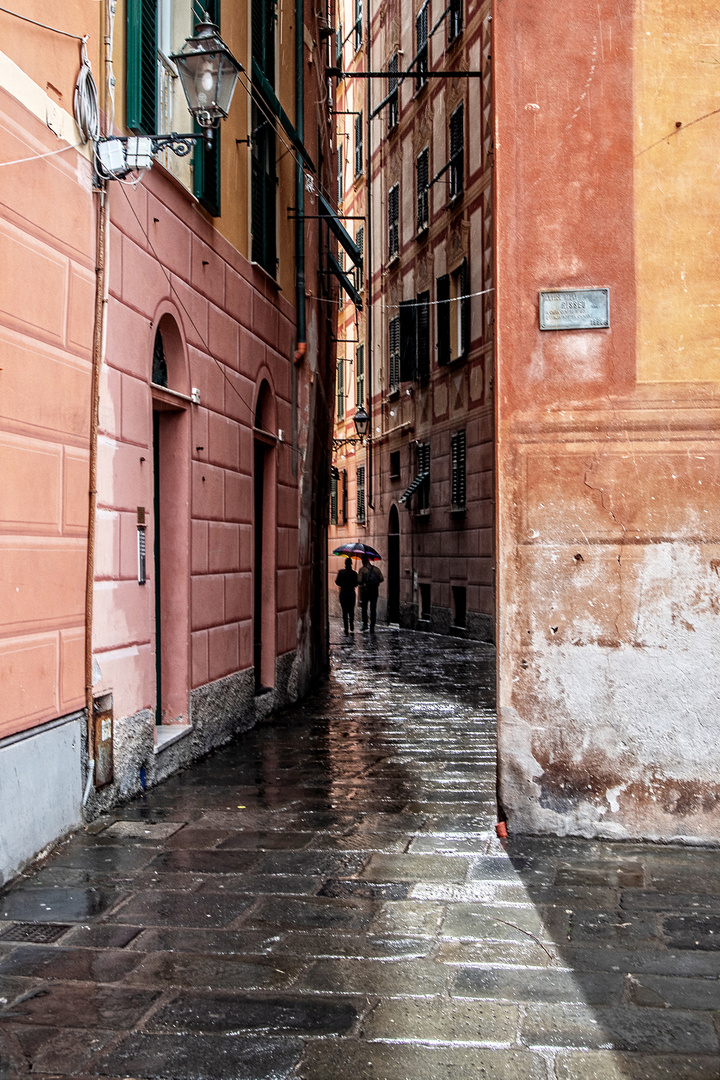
[(161, 521), (607, 144)]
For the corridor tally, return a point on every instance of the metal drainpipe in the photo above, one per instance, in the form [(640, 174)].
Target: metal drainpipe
[(97, 351), (300, 180), (368, 248)]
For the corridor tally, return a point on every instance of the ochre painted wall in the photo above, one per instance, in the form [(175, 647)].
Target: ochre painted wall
[(608, 466)]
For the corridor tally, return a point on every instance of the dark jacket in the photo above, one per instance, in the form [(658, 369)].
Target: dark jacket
[(347, 580)]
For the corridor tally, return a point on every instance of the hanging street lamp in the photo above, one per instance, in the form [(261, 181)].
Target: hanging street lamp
[(209, 73)]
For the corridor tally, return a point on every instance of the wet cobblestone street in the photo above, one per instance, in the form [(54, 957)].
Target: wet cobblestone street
[(325, 899)]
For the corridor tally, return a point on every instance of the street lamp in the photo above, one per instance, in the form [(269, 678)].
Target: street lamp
[(361, 420), (209, 73)]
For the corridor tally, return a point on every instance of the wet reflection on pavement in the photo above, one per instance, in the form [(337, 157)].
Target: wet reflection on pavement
[(326, 898)]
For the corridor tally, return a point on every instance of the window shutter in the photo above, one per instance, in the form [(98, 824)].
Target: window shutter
[(421, 38), (393, 103), (423, 337), (422, 190), (344, 496), (142, 66), (264, 241), (206, 173), (443, 319), (360, 375), (393, 221), (457, 452), (340, 384), (359, 243), (358, 145), (464, 309), (408, 359), (394, 360), (358, 24), (333, 496), (457, 171), (263, 37), (360, 486)]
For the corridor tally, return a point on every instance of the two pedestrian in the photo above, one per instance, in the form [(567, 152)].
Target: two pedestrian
[(369, 579), (347, 580)]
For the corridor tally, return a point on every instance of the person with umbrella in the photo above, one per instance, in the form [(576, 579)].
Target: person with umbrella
[(369, 579), (347, 579)]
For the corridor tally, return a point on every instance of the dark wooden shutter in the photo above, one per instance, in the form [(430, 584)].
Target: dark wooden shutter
[(422, 190), (408, 347), (142, 66), (360, 486), (206, 163), (358, 145), (457, 453), (464, 309), (394, 346), (263, 37), (393, 103), (360, 375), (423, 337), (393, 221), (457, 169), (421, 38), (333, 496), (359, 243), (443, 319), (344, 497)]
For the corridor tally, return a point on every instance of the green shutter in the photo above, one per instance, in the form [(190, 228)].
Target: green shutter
[(206, 163), (142, 70), (408, 345), (206, 173), (443, 319)]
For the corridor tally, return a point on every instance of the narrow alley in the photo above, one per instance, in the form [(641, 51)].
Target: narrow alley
[(326, 898)]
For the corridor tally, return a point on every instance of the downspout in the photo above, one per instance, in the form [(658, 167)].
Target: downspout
[(300, 179), (368, 248), (97, 351), (98, 345)]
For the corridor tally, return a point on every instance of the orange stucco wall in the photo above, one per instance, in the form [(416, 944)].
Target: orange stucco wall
[(608, 468)]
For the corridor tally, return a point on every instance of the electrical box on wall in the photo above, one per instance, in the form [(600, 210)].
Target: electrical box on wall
[(103, 739)]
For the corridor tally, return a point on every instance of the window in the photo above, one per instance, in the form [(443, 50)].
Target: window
[(421, 38), (394, 464), (424, 601), (457, 172), (394, 357), (357, 34), (341, 291), (340, 387), (394, 221), (459, 605), (421, 176), (423, 469), (339, 42), (142, 66), (358, 144), (457, 465), (359, 375), (333, 496), (263, 180), (455, 22), (263, 193), (415, 339), (359, 242), (360, 485), (151, 96), (340, 178), (422, 337), (342, 502), (453, 315), (393, 97)]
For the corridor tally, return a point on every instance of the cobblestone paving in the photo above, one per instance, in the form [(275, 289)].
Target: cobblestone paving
[(325, 899)]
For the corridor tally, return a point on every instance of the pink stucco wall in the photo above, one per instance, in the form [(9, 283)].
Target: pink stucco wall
[(47, 244), (235, 329)]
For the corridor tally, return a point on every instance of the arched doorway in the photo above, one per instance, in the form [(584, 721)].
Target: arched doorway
[(264, 542), (393, 566), (171, 523)]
